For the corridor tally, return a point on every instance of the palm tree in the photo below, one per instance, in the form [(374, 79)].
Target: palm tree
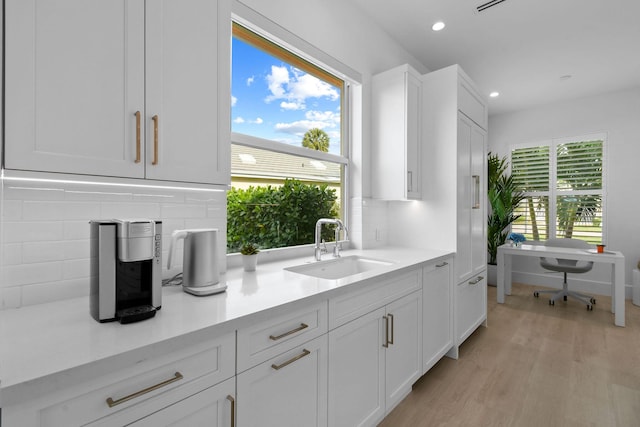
[(316, 139)]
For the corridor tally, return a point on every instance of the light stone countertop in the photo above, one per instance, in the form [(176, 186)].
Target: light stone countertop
[(47, 346)]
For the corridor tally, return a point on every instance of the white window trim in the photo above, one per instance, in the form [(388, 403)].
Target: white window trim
[(553, 192)]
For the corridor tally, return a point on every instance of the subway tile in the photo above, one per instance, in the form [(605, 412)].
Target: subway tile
[(184, 211), (75, 269), (55, 291), (33, 192), (129, 210), (24, 274), (98, 194), (59, 210), (76, 230), (12, 254), (75, 249), (32, 231), (38, 252), (11, 210), (157, 197), (10, 297)]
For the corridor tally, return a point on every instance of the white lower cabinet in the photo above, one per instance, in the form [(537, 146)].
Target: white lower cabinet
[(437, 312), (373, 362), (287, 390), (471, 311)]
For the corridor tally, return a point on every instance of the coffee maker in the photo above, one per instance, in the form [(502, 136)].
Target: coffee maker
[(126, 269)]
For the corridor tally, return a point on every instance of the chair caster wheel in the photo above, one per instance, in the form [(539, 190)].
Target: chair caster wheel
[(593, 301), (552, 302), (536, 294), (565, 297), (589, 307)]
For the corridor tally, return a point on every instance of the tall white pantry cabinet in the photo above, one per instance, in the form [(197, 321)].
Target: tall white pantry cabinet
[(454, 141), (135, 89)]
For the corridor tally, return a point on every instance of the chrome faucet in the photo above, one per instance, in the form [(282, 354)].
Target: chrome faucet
[(336, 249)]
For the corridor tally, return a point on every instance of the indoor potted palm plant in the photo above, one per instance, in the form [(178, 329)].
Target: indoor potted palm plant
[(504, 197)]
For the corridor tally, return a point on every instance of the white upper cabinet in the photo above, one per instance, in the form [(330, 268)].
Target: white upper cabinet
[(396, 111), (85, 80)]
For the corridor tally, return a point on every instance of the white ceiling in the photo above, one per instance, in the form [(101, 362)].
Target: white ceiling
[(522, 48)]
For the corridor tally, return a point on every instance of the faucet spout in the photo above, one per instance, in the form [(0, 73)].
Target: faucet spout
[(339, 226)]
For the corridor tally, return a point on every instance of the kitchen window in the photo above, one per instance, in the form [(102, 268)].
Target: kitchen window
[(288, 150), (563, 183)]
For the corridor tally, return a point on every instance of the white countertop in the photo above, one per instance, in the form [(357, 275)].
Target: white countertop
[(39, 343)]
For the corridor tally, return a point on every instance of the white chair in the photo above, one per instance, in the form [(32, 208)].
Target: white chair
[(566, 266)]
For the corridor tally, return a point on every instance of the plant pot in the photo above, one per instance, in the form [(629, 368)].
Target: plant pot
[(249, 262), (492, 275)]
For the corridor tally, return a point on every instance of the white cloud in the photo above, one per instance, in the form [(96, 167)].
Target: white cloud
[(250, 80), (257, 121), (296, 87), (238, 120), (233, 100), (300, 127)]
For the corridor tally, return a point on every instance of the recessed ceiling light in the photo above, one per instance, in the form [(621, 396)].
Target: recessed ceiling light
[(494, 94), (437, 26)]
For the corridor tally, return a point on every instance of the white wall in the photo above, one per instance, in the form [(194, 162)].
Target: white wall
[(618, 115)]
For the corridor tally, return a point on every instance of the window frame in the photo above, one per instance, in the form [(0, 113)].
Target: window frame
[(553, 193), (320, 69)]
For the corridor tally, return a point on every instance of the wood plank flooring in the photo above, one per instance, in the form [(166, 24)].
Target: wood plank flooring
[(534, 365)]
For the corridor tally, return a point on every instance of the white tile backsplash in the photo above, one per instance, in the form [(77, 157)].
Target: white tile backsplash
[(44, 231)]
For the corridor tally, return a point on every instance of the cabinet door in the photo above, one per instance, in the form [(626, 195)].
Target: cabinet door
[(437, 325), (356, 372), (74, 73), (187, 81), (404, 351), (471, 306), (478, 218), (288, 390), (467, 200), (413, 112), (211, 407)]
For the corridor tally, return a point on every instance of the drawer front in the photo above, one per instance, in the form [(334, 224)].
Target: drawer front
[(471, 306), (354, 304), (267, 339), (213, 361)]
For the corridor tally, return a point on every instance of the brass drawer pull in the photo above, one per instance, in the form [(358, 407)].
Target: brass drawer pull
[(475, 282), (155, 139), (137, 114), (177, 376), (442, 265), (286, 334), (304, 353), (233, 410)]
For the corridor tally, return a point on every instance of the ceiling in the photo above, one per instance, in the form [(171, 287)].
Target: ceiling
[(523, 49)]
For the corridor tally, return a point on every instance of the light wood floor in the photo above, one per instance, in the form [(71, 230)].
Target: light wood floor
[(534, 365)]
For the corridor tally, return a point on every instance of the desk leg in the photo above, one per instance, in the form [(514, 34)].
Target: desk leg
[(507, 274), (617, 300), (504, 276)]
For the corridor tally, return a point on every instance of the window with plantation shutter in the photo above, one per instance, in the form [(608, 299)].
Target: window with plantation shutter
[(563, 184)]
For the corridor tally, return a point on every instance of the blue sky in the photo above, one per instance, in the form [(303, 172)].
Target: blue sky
[(273, 100)]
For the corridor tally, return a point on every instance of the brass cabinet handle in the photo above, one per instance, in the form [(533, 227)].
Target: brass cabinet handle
[(177, 376), (137, 114), (475, 282), (155, 139), (286, 334), (304, 353), (233, 410), (442, 265), (386, 332), (392, 328), (476, 192)]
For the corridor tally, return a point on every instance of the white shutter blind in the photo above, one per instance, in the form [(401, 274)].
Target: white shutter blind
[(530, 168)]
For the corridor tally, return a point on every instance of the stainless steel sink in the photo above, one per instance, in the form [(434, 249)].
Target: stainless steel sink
[(340, 267)]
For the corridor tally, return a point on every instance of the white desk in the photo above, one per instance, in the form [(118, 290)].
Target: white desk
[(616, 259)]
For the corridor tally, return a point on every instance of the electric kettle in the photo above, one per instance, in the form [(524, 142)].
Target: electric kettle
[(200, 275)]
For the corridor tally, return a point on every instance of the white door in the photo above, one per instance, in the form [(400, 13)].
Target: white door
[(187, 77), (404, 351), (437, 326), (212, 407), (356, 372), (74, 73), (288, 390)]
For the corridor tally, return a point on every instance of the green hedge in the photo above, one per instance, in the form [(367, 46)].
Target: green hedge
[(274, 217)]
